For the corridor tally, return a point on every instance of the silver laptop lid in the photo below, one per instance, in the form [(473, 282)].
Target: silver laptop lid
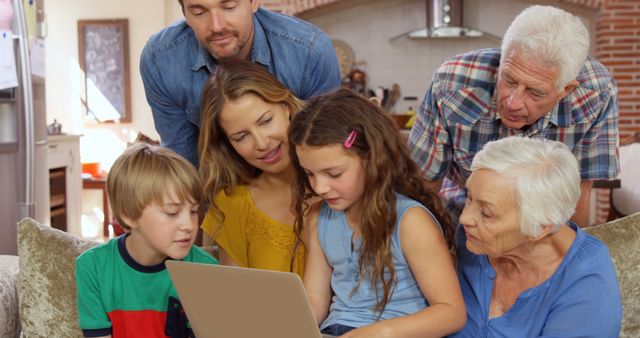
[(231, 302)]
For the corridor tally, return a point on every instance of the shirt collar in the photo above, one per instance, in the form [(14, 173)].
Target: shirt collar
[(203, 59), (260, 52)]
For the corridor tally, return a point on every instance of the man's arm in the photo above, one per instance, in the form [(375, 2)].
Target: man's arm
[(597, 152), (170, 119), (582, 214), (429, 144), (324, 71)]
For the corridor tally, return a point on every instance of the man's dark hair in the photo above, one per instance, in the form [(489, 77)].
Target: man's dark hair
[(182, 4)]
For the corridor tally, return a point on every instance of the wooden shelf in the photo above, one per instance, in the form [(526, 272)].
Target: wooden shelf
[(56, 174), (65, 178), (56, 201), (55, 212), (58, 198)]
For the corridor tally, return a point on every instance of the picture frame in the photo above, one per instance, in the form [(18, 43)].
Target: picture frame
[(103, 57)]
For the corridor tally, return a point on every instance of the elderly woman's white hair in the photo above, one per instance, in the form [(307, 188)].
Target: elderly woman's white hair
[(546, 174), (551, 36)]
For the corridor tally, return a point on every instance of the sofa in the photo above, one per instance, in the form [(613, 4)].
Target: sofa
[(37, 287), (38, 296)]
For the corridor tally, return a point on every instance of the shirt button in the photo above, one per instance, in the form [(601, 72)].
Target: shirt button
[(349, 260)]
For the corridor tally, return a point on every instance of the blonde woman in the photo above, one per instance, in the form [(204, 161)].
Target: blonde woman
[(246, 169)]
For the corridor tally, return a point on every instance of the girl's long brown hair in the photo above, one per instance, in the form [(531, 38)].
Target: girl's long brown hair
[(221, 167), (328, 120)]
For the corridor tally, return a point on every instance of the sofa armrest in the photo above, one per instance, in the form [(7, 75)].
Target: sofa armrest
[(10, 323), (622, 237)]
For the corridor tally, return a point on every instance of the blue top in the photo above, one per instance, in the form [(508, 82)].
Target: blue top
[(358, 309), (175, 68), (581, 299)]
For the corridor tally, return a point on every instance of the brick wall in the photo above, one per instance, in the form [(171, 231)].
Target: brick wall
[(294, 7), (618, 47), (277, 6)]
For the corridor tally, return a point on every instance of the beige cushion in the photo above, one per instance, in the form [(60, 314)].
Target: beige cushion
[(622, 236), (626, 199), (9, 323), (46, 283)]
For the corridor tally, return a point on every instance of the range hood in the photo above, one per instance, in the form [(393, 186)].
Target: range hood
[(444, 20)]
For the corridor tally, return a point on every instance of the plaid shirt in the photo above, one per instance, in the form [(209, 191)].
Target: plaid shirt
[(459, 115)]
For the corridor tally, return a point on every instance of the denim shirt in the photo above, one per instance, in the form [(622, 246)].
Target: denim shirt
[(175, 68)]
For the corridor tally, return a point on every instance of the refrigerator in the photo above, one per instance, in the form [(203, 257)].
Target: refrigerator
[(24, 173)]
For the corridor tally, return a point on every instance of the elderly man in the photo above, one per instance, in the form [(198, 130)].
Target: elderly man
[(539, 84), (176, 62)]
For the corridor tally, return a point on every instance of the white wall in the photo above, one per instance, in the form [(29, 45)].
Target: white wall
[(174, 12), (64, 81), (374, 29), (100, 142)]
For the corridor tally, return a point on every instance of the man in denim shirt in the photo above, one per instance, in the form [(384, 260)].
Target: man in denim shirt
[(176, 62)]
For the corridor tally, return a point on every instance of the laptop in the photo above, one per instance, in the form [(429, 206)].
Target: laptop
[(232, 302)]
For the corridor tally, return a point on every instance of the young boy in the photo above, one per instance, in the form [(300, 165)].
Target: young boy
[(124, 289)]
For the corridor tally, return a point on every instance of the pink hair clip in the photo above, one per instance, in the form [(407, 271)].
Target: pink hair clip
[(350, 139)]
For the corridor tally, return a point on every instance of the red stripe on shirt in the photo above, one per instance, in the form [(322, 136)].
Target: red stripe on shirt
[(138, 324), (470, 65)]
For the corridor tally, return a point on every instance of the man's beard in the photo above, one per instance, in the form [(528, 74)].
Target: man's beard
[(232, 55)]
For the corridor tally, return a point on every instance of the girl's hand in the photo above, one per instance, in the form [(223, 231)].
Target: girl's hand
[(378, 330)]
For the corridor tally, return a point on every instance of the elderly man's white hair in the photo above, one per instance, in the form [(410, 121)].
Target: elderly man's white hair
[(546, 174), (552, 37)]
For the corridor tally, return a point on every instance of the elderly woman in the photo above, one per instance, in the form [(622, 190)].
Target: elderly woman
[(525, 269)]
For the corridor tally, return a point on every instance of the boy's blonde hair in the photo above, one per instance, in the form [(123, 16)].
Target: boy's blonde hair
[(143, 174)]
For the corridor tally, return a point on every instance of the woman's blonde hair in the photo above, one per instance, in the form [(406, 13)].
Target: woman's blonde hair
[(144, 174), (221, 167)]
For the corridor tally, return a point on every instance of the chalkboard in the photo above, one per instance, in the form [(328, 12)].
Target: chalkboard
[(104, 59)]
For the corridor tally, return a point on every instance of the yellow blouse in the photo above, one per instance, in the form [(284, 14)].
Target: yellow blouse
[(249, 236)]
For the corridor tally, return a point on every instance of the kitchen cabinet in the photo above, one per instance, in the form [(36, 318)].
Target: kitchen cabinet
[(66, 182)]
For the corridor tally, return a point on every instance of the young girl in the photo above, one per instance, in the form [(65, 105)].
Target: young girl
[(375, 250), (246, 169)]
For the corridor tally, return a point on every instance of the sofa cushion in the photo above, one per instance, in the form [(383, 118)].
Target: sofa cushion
[(622, 236), (46, 282), (9, 323)]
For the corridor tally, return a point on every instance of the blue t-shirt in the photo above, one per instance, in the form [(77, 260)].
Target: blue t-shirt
[(581, 299), (358, 309), (175, 67)]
